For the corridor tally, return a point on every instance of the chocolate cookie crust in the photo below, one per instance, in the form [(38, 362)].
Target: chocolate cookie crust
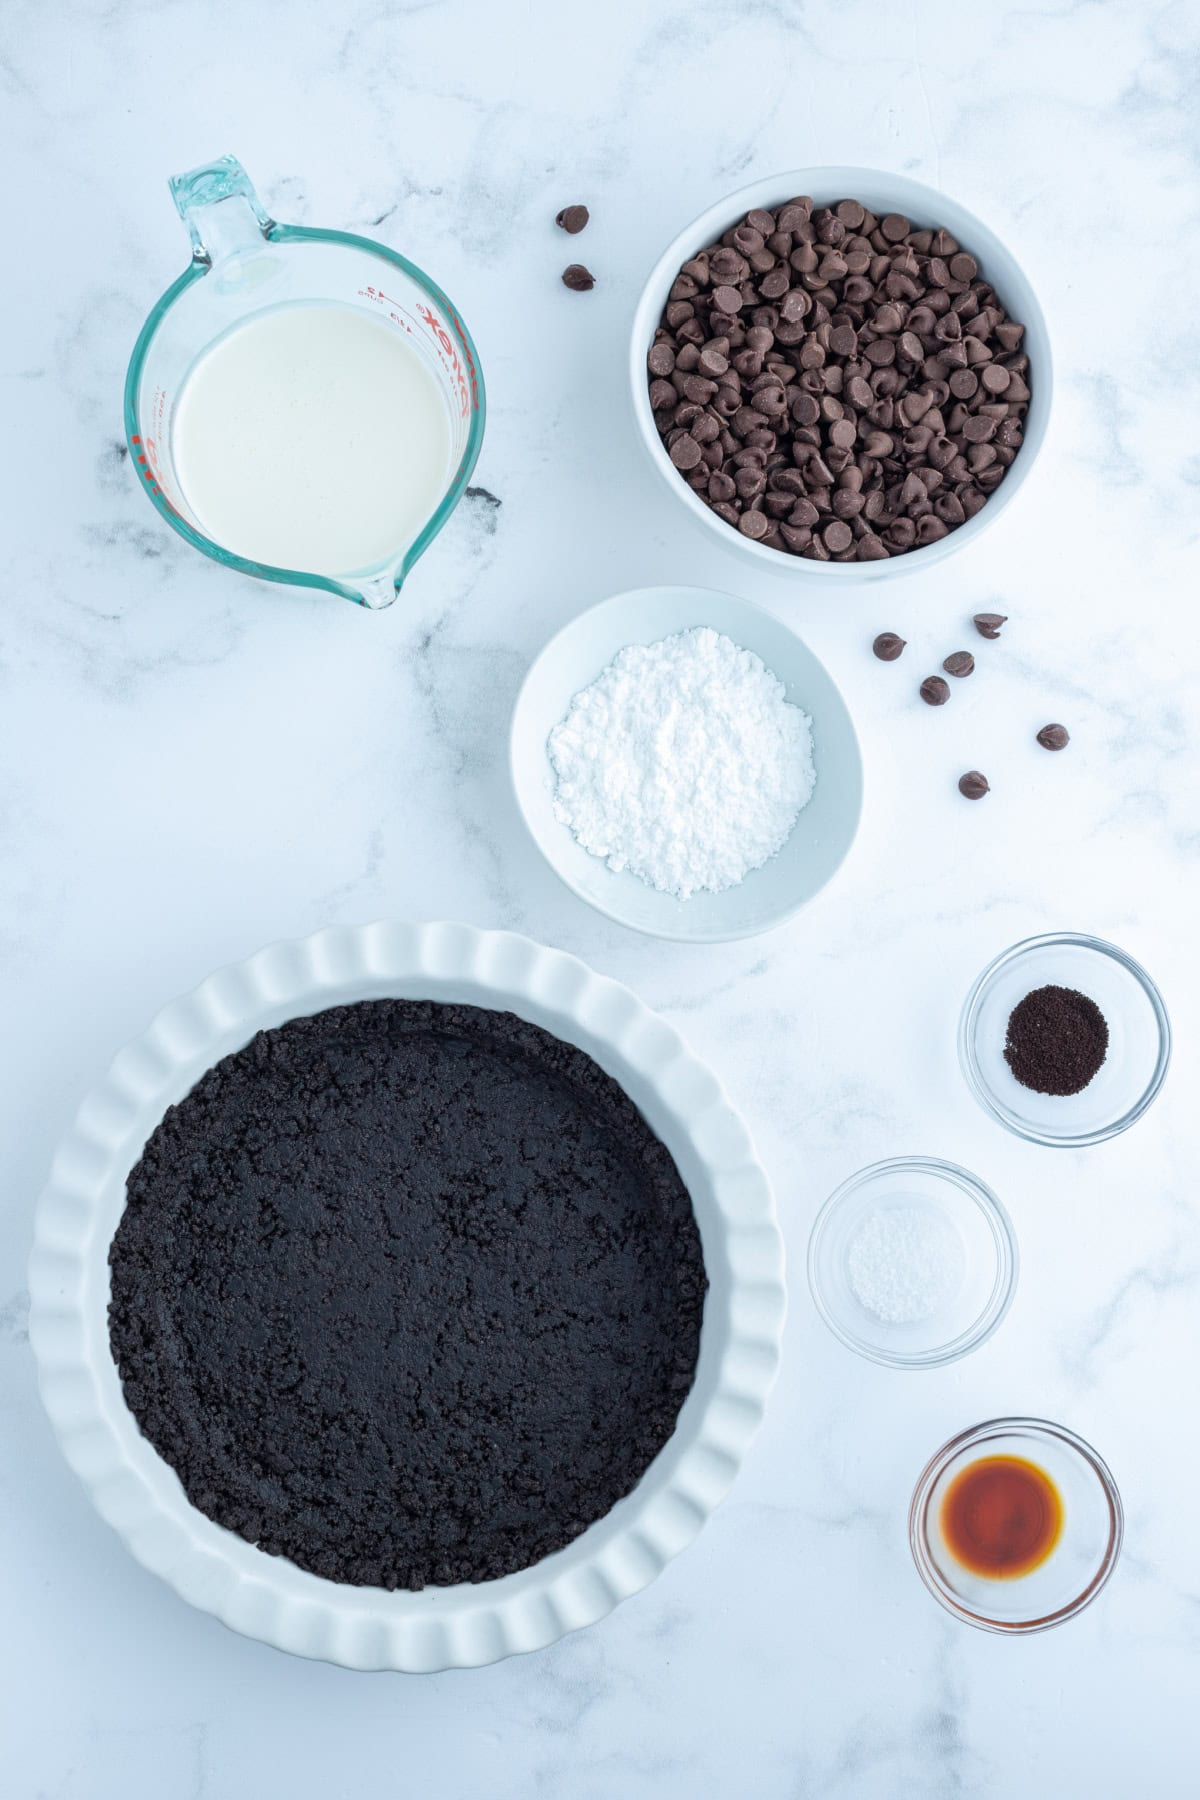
[(408, 1293)]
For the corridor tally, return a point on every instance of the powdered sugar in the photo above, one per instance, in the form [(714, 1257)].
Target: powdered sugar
[(684, 762)]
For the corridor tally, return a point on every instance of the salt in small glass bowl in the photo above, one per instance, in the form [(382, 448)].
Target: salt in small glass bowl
[(968, 1313), (1139, 1039), (1076, 1569)]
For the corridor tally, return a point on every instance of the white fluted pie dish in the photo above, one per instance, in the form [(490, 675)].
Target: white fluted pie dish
[(265, 1596)]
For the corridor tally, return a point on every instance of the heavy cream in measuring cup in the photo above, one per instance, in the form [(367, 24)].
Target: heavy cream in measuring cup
[(312, 437)]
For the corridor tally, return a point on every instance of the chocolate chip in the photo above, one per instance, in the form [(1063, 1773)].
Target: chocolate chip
[(988, 624), (935, 691), (1054, 737), (887, 646), (973, 785), (572, 218), (578, 279), (960, 663)]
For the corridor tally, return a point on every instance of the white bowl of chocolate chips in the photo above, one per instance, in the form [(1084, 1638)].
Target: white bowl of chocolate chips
[(841, 371)]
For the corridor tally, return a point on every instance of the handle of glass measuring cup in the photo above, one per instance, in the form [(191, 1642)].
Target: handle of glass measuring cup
[(220, 208)]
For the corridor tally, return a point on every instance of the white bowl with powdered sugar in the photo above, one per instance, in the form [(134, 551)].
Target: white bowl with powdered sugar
[(789, 821)]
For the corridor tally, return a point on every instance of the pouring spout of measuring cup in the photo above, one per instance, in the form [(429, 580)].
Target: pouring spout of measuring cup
[(375, 591), (223, 214)]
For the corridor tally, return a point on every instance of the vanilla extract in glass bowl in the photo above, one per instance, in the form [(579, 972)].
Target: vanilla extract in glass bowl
[(1015, 1525), (1001, 1516)]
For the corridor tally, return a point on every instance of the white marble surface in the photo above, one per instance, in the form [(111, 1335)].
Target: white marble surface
[(194, 764)]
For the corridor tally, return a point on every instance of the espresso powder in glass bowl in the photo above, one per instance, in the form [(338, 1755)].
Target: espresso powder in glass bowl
[(408, 1293), (1056, 1041)]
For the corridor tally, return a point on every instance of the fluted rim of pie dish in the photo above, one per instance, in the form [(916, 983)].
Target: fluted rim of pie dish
[(267, 1597)]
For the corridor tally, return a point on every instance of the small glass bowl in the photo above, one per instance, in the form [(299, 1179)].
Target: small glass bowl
[(955, 1210), (1078, 1566), (1139, 1039)]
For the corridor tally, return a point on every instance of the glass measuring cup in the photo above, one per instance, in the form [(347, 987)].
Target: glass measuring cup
[(243, 263)]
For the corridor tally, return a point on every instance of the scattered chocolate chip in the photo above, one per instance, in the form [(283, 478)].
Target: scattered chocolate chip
[(887, 646), (960, 663), (866, 358), (935, 691), (988, 624), (572, 218), (1054, 737), (972, 785), (579, 279)]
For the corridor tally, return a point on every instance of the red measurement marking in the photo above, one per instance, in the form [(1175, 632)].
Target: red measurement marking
[(447, 354), (462, 338), (442, 337)]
